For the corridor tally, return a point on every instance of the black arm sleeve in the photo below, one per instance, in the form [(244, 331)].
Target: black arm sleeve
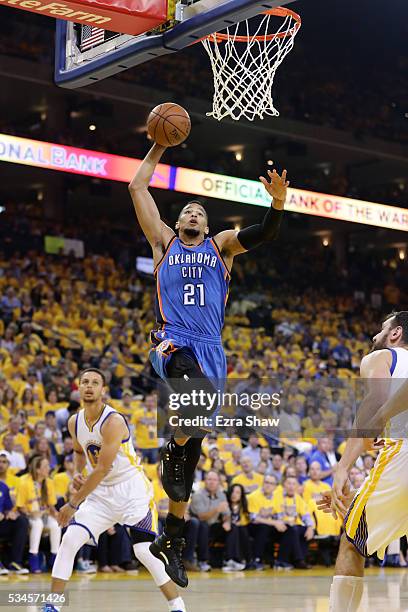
[(253, 236)]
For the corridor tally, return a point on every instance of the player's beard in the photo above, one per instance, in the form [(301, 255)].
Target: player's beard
[(191, 232)]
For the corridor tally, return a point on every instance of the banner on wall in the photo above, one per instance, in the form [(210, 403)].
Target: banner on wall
[(184, 180)]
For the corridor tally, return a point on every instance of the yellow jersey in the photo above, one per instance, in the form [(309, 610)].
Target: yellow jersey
[(145, 422), (259, 504), (61, 484), (29, 494), (291, 510), (314, 490), (12, 482), (325, 524), (249, 484)]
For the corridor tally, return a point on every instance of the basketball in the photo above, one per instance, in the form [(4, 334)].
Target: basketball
[(168, 124)]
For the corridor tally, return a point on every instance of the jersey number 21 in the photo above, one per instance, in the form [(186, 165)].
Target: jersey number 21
[(190, 296)]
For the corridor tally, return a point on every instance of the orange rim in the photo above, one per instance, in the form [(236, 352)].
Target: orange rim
[(278, 12)]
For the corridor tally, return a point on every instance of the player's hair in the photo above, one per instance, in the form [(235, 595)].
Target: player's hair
[(200, 202), (32, 468), (400, 318), (101, 374)]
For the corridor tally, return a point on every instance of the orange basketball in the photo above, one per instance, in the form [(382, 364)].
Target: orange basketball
[(168, 124)]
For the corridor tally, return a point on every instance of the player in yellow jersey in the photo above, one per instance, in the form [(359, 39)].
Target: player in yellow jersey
[(378, 512), (115, 490)]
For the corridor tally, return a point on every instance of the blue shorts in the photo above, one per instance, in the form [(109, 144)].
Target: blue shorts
[(208, 352)]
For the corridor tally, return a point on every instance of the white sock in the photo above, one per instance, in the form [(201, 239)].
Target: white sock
[(345, 593), (177, 604)]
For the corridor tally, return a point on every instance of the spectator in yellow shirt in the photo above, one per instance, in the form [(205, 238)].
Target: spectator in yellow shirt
[(21, 440), (29, 403), (64, 477), (36, 499), (261, 512), (145, 422), (14, 364), (36, 386), (328, 528), (249, 479), (314, 486), (290, 508), (233, 465)]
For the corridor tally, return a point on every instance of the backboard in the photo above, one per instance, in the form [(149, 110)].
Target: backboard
[(86, 54)]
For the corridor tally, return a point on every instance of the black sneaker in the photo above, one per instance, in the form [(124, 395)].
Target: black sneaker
[(172, 471), (170, 552)]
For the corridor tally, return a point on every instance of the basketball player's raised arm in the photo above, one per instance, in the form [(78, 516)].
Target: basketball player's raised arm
[(232, 242), (375, 370), (156, 231)]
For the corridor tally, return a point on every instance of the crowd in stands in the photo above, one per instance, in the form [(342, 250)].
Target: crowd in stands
[(290, 326)]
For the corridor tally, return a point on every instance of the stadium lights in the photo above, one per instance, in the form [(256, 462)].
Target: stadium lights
[(92, 127), (325, 242), (401, 254), (238, 156), (2, 209)]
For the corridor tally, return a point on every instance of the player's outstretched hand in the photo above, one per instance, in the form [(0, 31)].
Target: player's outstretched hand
[(277, 185), (325, 503)]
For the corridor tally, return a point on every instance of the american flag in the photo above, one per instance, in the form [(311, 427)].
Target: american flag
[(91, 36)]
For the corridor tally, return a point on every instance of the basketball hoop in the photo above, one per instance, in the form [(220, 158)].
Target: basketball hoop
[(244, 64)]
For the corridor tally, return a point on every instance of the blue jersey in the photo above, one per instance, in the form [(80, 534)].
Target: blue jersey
[(192, 288)]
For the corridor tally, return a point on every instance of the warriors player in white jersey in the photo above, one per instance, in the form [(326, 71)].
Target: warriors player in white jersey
[(116, 490), (377, 514)]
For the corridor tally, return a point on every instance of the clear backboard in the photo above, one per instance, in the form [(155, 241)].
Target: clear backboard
[(87, 54)]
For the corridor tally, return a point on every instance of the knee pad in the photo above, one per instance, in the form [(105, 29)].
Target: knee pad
[(186, 376), (154, 566), (74, 538)]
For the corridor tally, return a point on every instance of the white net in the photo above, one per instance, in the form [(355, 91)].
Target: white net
[(244, 59)]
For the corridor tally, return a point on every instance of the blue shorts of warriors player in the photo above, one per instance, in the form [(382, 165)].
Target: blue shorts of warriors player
[(207, 351)]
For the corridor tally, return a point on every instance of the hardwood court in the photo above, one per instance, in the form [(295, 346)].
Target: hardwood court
[(218, 592)]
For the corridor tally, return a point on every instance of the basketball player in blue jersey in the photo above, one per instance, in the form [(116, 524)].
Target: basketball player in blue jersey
[(116, 490), (192, 274)]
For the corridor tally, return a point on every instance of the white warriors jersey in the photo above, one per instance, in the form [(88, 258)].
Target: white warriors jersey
[(398, 425), (125, 465)]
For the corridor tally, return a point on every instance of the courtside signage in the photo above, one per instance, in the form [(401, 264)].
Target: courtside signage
[(116, 168)]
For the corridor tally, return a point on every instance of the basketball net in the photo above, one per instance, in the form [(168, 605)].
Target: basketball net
[(244, 64)]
